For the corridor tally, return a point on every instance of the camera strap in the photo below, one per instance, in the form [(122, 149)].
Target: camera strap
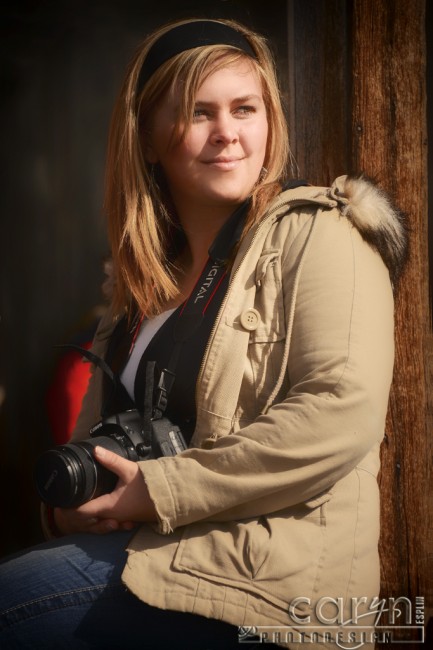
[(191, 314), (193, 310), (93, 358)]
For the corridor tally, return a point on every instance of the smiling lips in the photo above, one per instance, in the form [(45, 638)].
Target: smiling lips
[(225, 163)]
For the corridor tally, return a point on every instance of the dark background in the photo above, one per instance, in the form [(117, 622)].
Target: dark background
[(62, 63)]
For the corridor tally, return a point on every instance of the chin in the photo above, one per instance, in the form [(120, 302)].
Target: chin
[(231, 196), (230, 201)]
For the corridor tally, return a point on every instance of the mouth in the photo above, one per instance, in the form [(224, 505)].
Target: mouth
[(226, 163)]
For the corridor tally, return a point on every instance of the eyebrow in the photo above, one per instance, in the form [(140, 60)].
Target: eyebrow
[(235, 100)]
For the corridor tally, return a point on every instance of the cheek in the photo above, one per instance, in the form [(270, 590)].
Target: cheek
[(265, 132), (178, 163), (186, 151), (194, 143), (257, 140)]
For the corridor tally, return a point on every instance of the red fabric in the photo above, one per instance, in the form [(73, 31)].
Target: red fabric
[(66, 392)]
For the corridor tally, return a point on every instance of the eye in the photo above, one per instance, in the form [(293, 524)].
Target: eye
[(245, 111), (199, 114)]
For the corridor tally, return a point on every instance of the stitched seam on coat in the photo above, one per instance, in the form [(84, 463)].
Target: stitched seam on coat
[(323, 555), (355, 536), (258, 595), (367, 471), (305, 226), (289, 328), (218, 415), (349, 339), (196, 597)]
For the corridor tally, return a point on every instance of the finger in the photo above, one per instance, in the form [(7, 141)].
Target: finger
[(99, 508), (70, 520), (125, 469), (104, 526)]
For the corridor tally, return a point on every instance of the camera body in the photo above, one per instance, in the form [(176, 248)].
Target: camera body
[(68, 475)]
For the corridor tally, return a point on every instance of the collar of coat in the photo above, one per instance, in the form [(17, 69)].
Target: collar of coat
[(360, 200), (367, 207)]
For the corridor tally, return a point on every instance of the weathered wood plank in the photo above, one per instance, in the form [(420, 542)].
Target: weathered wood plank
[(390, 143), (319, 88)]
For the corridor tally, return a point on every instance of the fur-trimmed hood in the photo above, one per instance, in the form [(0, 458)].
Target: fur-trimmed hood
[(381, 224)]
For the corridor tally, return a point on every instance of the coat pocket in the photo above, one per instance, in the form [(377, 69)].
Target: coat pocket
[(276, 557), (269, 299), (267, 341)]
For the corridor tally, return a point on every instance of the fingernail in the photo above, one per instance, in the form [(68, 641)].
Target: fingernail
[(100, 451)]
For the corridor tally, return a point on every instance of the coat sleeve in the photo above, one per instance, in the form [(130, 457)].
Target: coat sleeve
[(333, 414)]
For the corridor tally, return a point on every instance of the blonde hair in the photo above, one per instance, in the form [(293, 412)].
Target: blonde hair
[(140, 221)]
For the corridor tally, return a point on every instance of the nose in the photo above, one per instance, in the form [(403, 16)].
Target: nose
[(225, 129)]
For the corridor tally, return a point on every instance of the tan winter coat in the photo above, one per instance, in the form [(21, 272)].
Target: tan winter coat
[(277, 497)]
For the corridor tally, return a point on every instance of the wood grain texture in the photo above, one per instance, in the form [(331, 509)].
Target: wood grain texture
[(319, 88), (390, 143), (357, 102)]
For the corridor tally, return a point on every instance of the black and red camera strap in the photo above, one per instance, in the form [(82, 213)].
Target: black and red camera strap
[(192, 312)]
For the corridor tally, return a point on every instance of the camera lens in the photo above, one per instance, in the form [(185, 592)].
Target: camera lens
[(68, 475)]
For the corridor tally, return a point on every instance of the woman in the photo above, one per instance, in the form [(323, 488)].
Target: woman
[(282, 373)]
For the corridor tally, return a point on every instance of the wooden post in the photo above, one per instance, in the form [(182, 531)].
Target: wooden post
[(390, 143), (319, 88)]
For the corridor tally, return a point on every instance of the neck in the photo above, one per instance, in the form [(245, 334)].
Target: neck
[(201, 228)]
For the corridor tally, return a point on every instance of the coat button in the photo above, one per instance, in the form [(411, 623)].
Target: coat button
[(250, 319)]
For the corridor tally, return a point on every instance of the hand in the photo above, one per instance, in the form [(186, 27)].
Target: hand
[(119, 510)]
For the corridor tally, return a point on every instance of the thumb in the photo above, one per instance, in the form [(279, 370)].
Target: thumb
[(116, 464)]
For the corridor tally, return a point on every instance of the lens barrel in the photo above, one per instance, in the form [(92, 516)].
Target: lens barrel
[(68, 475)]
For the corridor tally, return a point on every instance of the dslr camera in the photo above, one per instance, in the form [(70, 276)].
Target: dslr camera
[(68, 475)]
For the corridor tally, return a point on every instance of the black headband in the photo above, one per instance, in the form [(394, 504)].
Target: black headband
[(186, 37)]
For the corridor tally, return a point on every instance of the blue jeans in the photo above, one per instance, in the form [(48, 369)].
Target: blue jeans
[(68, 594)]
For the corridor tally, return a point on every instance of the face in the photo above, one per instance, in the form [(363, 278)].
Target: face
[(219, 160)]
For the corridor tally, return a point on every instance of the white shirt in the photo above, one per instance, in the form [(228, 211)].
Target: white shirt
[(148, 329)]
